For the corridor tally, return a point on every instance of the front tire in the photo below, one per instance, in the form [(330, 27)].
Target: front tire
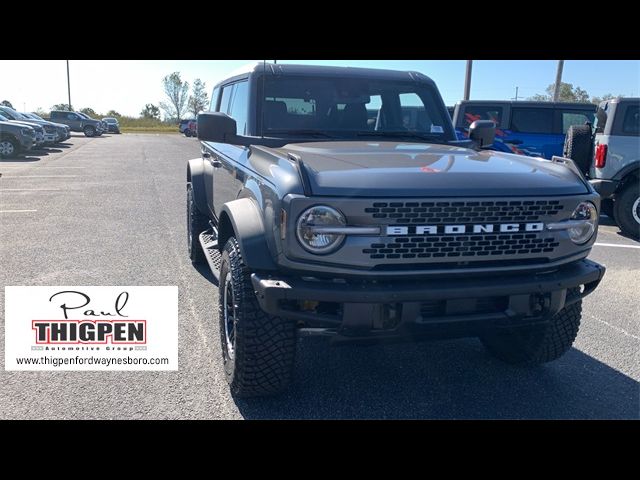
[(196, 224), (89, 131), (626, 209), (539, 344), (8, 148), (258, 349)]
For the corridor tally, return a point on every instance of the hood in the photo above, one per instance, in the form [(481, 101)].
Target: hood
[(394, 169), (27, 123)]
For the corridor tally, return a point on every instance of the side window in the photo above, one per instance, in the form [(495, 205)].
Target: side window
[(481, 112), (574, 117), (72, 116), (214, 100), (631, 123), (226, 98), (532, 120), (239, 106)]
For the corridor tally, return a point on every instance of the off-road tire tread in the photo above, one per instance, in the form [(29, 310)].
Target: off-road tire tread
[(538, 345), (265, 344), (577, 146)]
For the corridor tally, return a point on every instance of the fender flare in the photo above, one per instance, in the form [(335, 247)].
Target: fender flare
[(632, 167), (195, 176), (243, 219)]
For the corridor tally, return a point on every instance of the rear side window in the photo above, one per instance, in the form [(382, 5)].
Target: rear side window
[(532, 120), (631, 123), (481, 112), (72, 116), (575, 117)]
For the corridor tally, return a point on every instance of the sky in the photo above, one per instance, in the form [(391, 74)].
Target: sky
[(127, 85)]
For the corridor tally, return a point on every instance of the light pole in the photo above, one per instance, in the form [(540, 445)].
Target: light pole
[(556, 88), (467, 80), (68, 85)]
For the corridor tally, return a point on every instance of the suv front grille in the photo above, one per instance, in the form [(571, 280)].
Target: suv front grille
[(464, 212), (477, 245)]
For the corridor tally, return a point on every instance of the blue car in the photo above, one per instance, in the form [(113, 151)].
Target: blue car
[(536, 129)]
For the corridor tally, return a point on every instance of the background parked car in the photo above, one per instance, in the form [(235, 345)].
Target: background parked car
[(184, 124), (64, 132), (609, 154), (46, 132), (536, 129), (102, 127), (192, 129), (77, 122), (112, 124), (15, 138), (38, 130)]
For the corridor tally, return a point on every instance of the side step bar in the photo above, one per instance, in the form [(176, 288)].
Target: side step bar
[(209, 242)]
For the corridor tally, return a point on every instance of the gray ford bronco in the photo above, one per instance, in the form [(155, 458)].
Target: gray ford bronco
[(338, 202), (608, 152)]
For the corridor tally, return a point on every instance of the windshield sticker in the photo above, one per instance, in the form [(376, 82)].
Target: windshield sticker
[(436, 129)]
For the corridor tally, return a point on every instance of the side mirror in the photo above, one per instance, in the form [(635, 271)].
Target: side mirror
[(216, 127), (483, 133)]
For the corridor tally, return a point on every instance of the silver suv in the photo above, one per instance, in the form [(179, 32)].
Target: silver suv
[(609, 153)]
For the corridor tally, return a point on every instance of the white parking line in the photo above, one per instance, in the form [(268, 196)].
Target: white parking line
[(40, 176), (615, 245), (41, 166), (17, 211), (613, 327)]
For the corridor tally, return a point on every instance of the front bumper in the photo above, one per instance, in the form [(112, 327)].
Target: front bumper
[(396, 309), (606, 188), (26, 143)]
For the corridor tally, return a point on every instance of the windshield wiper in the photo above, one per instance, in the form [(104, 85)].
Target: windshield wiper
[(302, 132), (421, 136)]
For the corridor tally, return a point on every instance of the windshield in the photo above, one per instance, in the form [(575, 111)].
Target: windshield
[(38, 117), (353, 107), (109, 120), (3, 118), (14, 114)]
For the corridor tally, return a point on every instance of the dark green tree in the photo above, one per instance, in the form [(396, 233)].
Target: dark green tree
[(150, 111), (113, 113), (6, 103), (88, 111), (62, 106), (568, 93)]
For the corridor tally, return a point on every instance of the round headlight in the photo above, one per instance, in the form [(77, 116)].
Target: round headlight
[(585, 218), (310, 225)]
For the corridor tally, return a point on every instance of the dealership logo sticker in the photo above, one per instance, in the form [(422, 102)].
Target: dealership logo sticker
[(106, 328)]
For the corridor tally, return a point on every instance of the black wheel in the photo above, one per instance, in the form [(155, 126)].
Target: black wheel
[(578, 146), (540, 344), (187, 133), (196, 224), (8, 147), (606, 206), (89, 131), (626, 209), (258, 349)]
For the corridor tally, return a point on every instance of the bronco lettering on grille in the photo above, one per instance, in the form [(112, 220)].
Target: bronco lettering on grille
[(460, 229)]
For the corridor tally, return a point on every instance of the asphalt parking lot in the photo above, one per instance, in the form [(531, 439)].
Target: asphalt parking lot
[(110, 210)]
